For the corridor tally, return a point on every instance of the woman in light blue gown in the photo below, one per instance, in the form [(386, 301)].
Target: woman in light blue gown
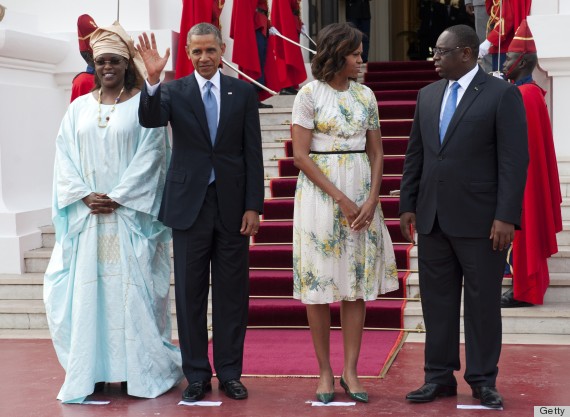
[(106, 289)]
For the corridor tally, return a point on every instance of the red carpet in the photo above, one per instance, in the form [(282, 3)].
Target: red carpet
[(283, 346), (399, 66), (396, 85), (293, 350), (397, 75), (285, 187)]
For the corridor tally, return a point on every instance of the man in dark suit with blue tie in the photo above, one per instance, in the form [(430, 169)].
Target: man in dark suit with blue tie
[(212, 200), (462, 190)]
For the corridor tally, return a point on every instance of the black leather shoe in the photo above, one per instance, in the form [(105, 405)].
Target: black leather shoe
[(234, 389), (195, 391), (289, 91), (261, 105), (99, 387), (508, 301), (429, 392), (489, 396)]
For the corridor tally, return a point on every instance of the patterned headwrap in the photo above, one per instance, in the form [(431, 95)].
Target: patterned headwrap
[(115, 40)]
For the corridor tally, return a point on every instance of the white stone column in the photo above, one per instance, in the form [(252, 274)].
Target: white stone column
[(551, 33)]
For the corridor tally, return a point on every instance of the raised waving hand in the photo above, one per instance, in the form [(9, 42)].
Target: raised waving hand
[(153, 62)]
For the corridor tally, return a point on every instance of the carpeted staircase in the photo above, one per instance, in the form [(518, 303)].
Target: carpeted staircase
[(271, 278)]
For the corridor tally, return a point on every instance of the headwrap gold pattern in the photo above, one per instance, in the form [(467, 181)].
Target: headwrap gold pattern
[(115, 40)]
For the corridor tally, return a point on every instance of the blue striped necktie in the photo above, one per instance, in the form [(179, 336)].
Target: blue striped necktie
[(211, 107), (448, 110)]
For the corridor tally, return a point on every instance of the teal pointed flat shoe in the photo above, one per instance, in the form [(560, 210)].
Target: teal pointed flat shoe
[(325, 397), (357, 396)]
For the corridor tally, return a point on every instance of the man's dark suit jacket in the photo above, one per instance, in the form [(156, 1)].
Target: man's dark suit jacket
[(478, 174), (236, 155)]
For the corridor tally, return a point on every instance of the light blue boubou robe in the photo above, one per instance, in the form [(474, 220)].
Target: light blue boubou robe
[(106, 289)]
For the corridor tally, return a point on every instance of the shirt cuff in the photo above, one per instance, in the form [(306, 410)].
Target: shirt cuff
[(151, 89)]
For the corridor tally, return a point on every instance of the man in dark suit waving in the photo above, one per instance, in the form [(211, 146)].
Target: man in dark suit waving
[(462, 189), (212, 201)]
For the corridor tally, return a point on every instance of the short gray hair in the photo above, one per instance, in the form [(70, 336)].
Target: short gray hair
[(201, 29)]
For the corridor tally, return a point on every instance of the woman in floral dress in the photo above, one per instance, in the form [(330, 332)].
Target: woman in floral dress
[(341, 248)]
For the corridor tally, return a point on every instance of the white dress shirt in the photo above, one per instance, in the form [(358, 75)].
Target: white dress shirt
[(463, 83)]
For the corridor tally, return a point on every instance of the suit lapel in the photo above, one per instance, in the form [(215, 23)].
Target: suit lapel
[(227, 99), (197, 105), (473, 90)]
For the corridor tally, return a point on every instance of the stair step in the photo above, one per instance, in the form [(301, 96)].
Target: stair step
[(553, 318), (396, 127), (282, 208), (399, 66), (270, 282), (30, 314), (21, 287), (271, 133), (565, 206), (393, 165), (272, 152), (22, 314), (274, 283), (559, 262), (275, 116), (281, 256), (278, 209), (384, 76), (285, 187), (396, 95), (563, 237), (37, 260), (397, 109), (563, 166), (557, 292), (560, 257), (396, 85), (290, 312), (274, 232), (564, 179), (48, 236), (392, 145), (278, 102)]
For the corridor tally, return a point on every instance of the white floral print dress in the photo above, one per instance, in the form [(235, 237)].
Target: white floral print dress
[(330, 261)]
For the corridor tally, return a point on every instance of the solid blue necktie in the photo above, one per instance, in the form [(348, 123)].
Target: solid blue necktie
[(448, 111), (211, 107)]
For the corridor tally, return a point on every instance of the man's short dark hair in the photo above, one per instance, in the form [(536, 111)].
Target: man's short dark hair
[(466, 37), (202, 29)]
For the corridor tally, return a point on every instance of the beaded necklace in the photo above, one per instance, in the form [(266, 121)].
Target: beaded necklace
[(112, 108)]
